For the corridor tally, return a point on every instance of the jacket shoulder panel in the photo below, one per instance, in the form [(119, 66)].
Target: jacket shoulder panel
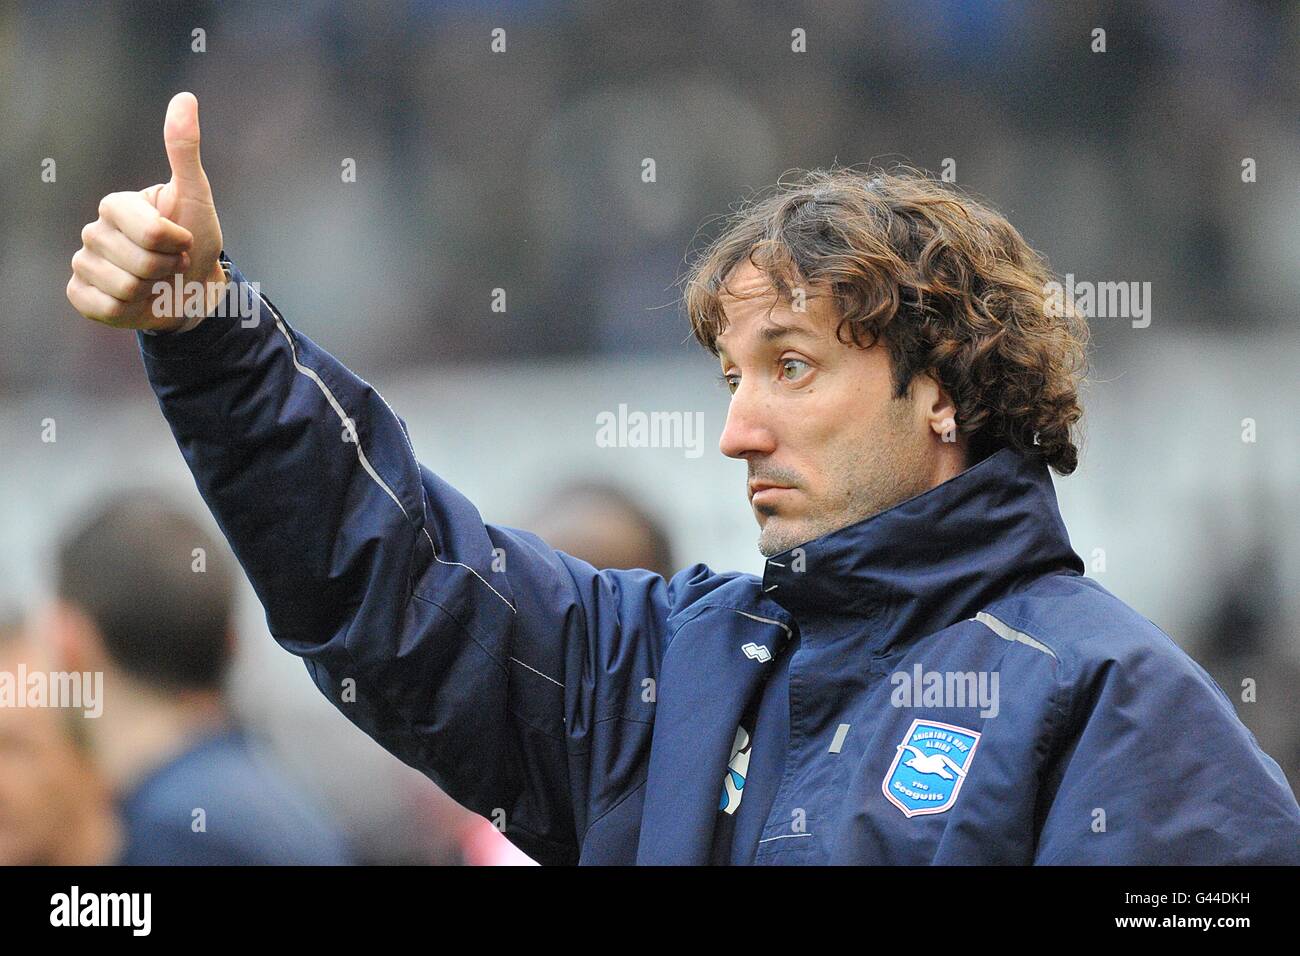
[(1083, 626), (1151, 763)]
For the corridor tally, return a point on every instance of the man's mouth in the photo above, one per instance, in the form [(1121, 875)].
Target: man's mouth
[(761, 492)]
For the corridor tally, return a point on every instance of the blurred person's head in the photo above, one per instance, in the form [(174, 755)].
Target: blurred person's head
[(54, 809), (879, 334), (145, 595), (604, 526)]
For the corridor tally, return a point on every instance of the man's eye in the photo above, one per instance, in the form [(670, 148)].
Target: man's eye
[(793, 369), (729, 382)]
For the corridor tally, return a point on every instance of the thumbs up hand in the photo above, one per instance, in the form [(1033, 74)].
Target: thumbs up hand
[(139, 261), (187, 198)]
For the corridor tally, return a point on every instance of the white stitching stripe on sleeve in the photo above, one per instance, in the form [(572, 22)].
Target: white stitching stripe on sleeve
[(338, 409), (361, 455), (458, 564), (535, 670)]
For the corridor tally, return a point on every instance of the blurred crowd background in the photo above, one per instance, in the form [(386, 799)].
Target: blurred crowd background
[(522, 170)]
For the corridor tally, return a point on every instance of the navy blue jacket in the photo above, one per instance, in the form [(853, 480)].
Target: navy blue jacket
[(602, 714), (252, 814)]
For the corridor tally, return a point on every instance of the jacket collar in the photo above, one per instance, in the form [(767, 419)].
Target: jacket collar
[(931, 560)]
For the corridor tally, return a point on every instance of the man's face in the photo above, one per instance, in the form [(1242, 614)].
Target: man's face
[(827, 443), (39, 776)]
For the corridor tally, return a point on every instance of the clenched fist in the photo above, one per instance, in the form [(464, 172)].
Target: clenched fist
[(126, 272)]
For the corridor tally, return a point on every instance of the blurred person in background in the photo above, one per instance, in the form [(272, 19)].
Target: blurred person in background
[(54, 808), (605, 526), (145, 596), (1242, 638)]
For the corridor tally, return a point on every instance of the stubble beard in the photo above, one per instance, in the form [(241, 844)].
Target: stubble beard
[(869, 481)]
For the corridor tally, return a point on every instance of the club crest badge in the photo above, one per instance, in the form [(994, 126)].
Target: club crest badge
[(929, 767)]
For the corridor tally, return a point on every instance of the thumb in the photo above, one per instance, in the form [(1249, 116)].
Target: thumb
[(181, 135)]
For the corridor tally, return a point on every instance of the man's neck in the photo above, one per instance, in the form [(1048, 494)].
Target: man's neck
[(142, 728)]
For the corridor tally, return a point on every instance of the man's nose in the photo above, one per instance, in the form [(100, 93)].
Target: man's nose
[(748, 431)]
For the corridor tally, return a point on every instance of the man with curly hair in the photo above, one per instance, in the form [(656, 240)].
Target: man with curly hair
[(922, 674)]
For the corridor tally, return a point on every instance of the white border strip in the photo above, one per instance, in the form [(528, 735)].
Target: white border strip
[(762, 620), (1008, 633)]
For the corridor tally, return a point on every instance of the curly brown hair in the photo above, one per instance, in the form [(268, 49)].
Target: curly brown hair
[(948, 284)]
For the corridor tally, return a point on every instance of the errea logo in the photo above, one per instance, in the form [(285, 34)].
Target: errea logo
[(756, 652)]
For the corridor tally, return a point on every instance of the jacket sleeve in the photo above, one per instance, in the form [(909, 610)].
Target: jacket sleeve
[(511, 674), (1156, 768)]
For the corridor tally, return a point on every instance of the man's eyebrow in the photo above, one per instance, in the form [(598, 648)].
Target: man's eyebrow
[(773, 331)]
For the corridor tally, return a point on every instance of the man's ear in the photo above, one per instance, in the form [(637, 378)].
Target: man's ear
[(937, 407)]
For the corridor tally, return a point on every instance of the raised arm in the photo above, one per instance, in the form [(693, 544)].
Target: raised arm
[(510, 673)]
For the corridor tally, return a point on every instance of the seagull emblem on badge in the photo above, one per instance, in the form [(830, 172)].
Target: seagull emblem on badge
[(938, 764)]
